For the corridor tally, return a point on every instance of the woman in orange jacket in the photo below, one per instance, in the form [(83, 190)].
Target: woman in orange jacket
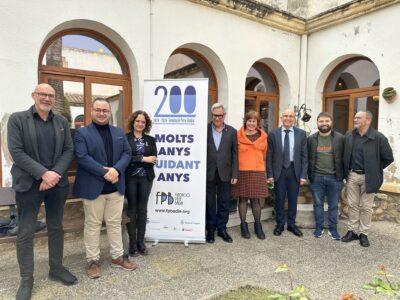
[(252, 184)]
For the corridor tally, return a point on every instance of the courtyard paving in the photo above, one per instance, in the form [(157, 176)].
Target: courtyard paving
[(327, 268)]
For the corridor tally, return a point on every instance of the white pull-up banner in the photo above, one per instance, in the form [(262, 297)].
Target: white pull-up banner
[(176, 209)]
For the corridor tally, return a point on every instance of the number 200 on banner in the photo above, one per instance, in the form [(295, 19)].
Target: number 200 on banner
[(175, 102)]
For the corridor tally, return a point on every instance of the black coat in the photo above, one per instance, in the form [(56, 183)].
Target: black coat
[(275, 154), (337, 140), (225, 159), (23, 147), (377, 156), (150, 149)]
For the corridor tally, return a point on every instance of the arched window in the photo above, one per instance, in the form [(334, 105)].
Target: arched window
[(262, 95), (187, 63), (352, 86), (83, 65)]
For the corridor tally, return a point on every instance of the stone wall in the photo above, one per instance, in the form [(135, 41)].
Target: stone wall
[(304, 8), (386, 205)]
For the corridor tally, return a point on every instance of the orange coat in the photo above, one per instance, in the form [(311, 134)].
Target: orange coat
[(252, 155)]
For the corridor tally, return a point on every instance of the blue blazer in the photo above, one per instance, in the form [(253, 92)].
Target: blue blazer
[(275, 153), (91, 158)]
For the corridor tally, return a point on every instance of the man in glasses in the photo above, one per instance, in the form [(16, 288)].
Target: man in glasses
[(287, 169), (40, 144), (222, 171), (102, 153)]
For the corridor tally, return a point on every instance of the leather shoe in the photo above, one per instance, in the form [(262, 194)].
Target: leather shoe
[(225, 236), (278, 230), (133, 249), (25, 289), (141, 246), (364, 240), (259, 230), (62, 275), (244, 230), (295, 230), (350, 236), (210, 237)]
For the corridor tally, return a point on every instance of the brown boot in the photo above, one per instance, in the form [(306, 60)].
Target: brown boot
[(124, 263), (93, 269)]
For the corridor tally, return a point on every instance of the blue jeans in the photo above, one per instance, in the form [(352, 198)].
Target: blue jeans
[(326, 186)]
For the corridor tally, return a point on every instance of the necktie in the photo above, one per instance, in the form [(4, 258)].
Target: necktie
[(286, 150)]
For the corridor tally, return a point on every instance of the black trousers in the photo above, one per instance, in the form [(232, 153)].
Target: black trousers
[(287, 184), (28, 208), (218, 194), (137, 192)]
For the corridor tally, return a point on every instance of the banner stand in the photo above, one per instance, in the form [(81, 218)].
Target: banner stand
[(155, 242), (177, 202)]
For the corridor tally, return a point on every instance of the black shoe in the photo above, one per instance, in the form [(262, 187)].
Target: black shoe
[(259, 230), (210, 237), (225, 236), (62, 275), (25, 289), (364, 240), (141, 246), (244, 230), (350, 236), (133, 249), (278, 230), (295, 230)]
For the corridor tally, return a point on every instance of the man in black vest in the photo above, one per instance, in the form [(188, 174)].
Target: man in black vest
[(222, 171), (40, 144), (366, 153)]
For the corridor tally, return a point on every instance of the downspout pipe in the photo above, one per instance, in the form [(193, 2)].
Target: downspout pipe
[(151, 15), (303, 70)]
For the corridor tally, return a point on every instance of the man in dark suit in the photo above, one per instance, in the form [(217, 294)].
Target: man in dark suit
[(40, 144), (102, 153), (222, 171), (287, 169)]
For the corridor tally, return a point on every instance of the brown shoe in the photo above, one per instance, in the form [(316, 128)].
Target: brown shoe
[(124, 263), (93, 269)]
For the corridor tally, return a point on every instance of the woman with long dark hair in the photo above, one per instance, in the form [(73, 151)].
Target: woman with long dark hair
[(139, 178)]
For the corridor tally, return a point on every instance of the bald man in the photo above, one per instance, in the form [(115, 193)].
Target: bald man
[(40, 144), (287, 169), (366, 153)]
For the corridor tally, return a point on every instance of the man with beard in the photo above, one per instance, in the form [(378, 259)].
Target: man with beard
[(366, 153), (325, 172)]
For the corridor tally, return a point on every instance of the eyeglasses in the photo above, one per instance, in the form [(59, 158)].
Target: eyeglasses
[(218, 116), (44, 95), (99, 111)]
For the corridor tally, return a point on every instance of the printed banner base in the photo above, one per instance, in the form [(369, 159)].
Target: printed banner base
[(171, 240)]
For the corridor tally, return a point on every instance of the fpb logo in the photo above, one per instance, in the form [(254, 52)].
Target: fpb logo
[(174, 109), (164, 198)]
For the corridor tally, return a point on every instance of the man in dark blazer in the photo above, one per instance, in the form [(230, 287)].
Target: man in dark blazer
[(102, 153), (287, 169), (366, 153), (40, 145), (222, 171)]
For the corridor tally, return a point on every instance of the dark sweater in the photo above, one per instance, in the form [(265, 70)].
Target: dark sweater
[(104, 131)]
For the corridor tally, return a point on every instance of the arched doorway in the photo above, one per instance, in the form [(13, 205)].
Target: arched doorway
[(262, 95), (351, 87), (82, 65), (187, 63)]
